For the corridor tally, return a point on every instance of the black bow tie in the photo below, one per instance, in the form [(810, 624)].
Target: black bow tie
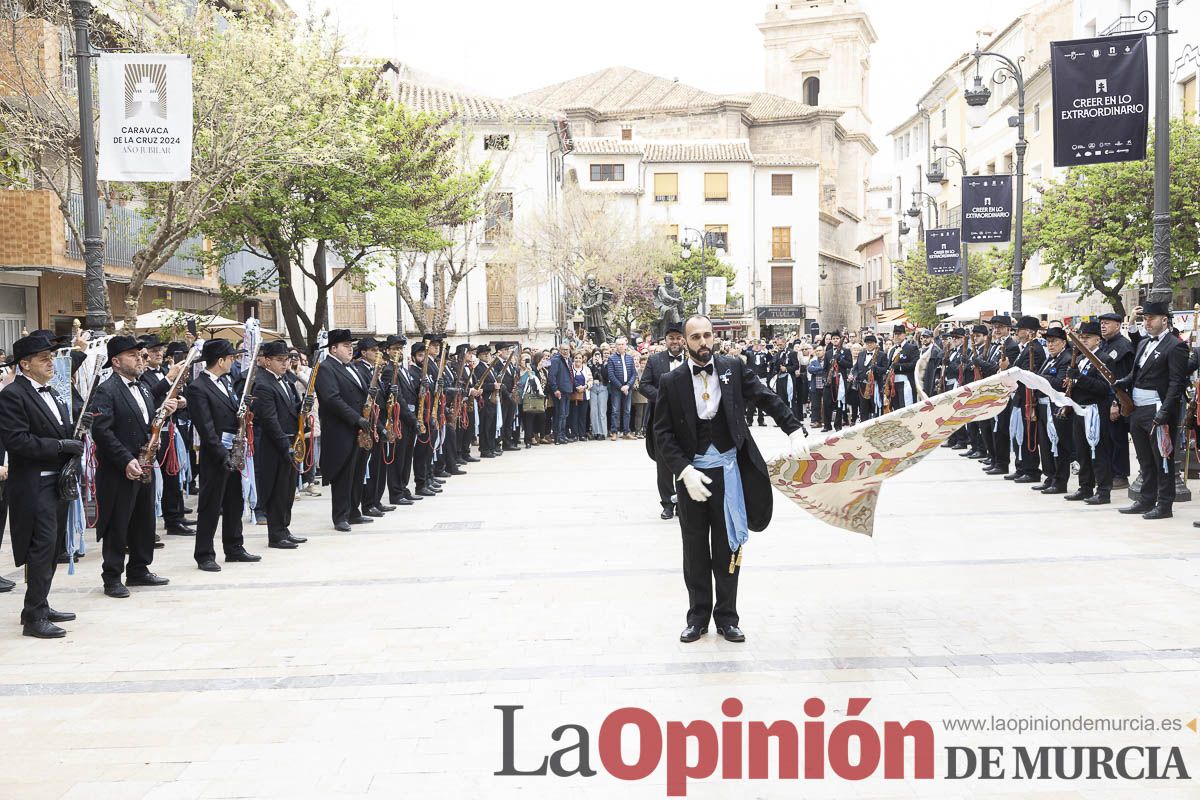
[(48, 390), (132, 384), (706, 368)]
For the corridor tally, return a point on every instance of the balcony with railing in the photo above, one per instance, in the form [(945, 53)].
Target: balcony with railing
[(127, 233)]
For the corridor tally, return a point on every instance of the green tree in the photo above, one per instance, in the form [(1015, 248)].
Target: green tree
[(1095, 228), (689, 271), (919, 292)]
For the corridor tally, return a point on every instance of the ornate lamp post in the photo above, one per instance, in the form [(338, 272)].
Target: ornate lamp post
[(956, 156), (702, 237)]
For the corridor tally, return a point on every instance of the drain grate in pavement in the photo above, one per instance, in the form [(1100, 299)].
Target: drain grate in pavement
[(463, 525)]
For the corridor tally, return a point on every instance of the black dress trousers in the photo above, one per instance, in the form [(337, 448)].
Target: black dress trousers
[(706, 556)]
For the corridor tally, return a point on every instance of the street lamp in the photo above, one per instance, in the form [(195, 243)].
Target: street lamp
[(977, 100), (687, 253), (915, 212), (956, 156)]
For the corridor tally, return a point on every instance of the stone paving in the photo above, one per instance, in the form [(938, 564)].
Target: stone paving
[(368, 664)]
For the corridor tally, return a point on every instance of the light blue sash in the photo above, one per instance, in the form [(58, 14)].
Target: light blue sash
[(736, 526)]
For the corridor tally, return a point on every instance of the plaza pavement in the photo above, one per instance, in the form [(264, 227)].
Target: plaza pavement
[(368, 664)]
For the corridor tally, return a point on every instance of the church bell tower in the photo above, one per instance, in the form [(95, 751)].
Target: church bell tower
[(818, 52)]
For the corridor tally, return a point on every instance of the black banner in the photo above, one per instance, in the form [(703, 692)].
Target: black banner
[(941, 251), (987, 208), (1101, 100)]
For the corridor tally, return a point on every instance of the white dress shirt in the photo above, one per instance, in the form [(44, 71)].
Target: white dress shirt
[(220, 383), (349, 365), (675, 361), (706, 384), (48, 399), (1151, 346), (135, 390)]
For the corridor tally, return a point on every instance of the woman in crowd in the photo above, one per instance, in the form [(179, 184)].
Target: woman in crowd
[(542, 433), (581, 378), (533, 398), (640, 403), (599, 399), (816, 383)]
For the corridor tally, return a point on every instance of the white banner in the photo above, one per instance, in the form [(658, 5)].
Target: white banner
[(145, 117), (716, 291)]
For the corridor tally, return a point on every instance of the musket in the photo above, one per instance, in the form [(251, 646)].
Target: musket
[(438, 388), (367, 440), (389, 411), (889, 380), (237, 454), (300, 443), (149, 450), (1123, 398), (1068, 384), (422, 401)]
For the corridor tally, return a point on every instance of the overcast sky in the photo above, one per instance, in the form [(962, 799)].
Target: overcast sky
[(504, 47)]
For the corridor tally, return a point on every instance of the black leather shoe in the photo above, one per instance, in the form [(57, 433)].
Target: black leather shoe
[(1079, 494), (6, 585), (456, 471), (435, 488), (1137, 508), (1038, 487), (343, 527), (383, 508), (360, 520), (371, 512), (159, 544), (1100, 499), (1012, 476), (291, 537), (732, 634), (1196, 524), (692, 633), (209, 566), (187, 510), (488, 455), (424, 492), (995, 471), (149, 579), (242, 558), (403, 501), (470, 458), (441, 473), (61, 616), (283, 544), (1054, 489), (1026, 479), (180, 530), (979, 457), (1158, 512), (668, 513), (42, 629), (969, 453), (116, 590)]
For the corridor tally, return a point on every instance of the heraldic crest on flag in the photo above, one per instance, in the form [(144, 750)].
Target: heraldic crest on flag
[(838, 481)]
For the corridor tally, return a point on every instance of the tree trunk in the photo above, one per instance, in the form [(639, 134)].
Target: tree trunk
[(142, 268), (320, 317), (289, 304), (1113, 294)]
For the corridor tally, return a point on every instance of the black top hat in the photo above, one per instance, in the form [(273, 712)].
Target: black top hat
[(1028, 323), (1111, 316), (28, 346), (272, 349), (1089, 328), (395, 339), (366, 343), (899, 328), (980, 329), (870, 337), (1153, 308), (1056, 333), (151, 340), (339, 335), (483, 350), (960, 333), (218, 348), (1001, 319), (122, 344)]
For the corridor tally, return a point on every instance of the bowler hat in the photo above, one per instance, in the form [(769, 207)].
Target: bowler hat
[(28, 346), (960, 333), (273, 349), (176, 349), (483, 350), (418, 347), (1056, 333), (461, 349), (122, 344), (339, 335), (151, 340), (983, 329), (899, 328), (1028, 323), (870, 337), (218, 348), (395, 339), (1001, 319), (1089, 328), (366, 343)]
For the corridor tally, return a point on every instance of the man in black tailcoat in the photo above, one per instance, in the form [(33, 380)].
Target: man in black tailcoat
[(276, 421), (124, 410), (342, 393), (36, 428), (657, 366), (701, 433)]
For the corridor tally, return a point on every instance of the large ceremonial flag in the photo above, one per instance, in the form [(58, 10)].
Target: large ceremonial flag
[(838, 480)]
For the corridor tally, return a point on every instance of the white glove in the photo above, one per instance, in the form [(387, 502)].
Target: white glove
[(694, 481), (798, 443)]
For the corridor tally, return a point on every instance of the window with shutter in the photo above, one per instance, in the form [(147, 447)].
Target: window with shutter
[(781, 185), (781, 285), (666, 187), (781, 242), (716, 186)]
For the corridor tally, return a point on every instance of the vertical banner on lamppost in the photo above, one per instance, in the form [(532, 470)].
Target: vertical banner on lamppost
[(716, 291), (987, 208), (145, 117), (942, 255), (1101, 100)]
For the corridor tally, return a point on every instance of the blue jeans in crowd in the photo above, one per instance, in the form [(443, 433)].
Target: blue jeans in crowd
[(577, 424), (621, 405), (562, 408), (599, 410)]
